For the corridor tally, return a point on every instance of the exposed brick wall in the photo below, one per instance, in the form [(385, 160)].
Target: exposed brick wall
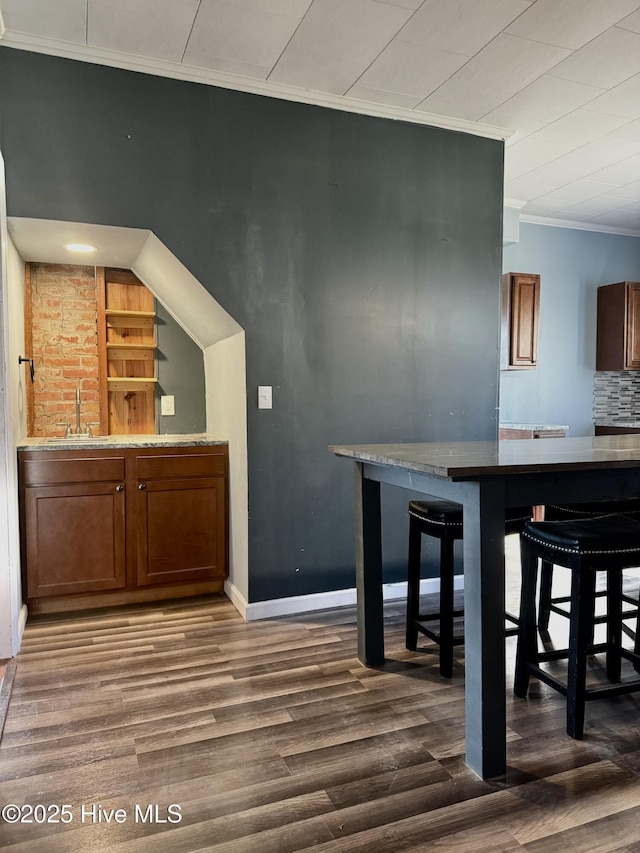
[(65, 346)]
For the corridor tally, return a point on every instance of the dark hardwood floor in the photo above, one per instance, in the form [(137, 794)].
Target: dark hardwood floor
[(271, 738)]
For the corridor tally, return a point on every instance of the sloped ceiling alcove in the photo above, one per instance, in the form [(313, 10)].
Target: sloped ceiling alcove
[(204, 319), (219, 336)]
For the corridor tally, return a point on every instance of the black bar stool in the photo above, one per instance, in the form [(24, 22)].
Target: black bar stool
[(571, 512), (443, 521), (607, 543)]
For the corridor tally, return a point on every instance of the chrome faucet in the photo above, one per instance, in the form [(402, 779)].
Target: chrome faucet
[(68, 432)]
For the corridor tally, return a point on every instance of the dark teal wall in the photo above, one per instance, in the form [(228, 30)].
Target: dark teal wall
[(361, 255), (180, 371)]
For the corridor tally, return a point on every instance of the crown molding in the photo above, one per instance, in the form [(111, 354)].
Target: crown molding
[(209, 77), (579, 226), (514, 203)]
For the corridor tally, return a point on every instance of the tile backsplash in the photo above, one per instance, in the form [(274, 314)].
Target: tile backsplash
[(616, 395)]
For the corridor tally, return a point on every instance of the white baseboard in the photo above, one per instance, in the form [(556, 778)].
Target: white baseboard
[(22, 622), (252, 611), (236, 598)]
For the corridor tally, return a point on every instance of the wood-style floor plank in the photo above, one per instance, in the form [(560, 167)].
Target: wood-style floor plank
[(273, 738)]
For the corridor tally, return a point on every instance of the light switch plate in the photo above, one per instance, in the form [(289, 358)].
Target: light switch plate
[(265, 397), (167, 405)]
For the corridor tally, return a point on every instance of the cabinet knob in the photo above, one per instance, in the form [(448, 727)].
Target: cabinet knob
[(119, 488), (142, 486)]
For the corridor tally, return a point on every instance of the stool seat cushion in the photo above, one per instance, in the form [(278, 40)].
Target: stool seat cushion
[(443, 520), (450, 514), (585, 546), (439, 512), (600, 535), (559, 512)]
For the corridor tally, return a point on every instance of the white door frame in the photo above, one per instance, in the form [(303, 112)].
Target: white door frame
[(12, 611)]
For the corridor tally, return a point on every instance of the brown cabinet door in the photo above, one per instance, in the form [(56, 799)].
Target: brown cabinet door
[(181, 530), (525, 290), (618, 329), (633, 326), (75, 538), (519, 325)]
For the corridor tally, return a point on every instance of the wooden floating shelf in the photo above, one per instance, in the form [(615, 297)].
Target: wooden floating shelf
[(131, 383), (120, 312), (118, 345), (131, 352), (130, 319)]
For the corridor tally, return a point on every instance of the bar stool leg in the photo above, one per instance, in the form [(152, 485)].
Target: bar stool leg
[(583, 602), (413, 584), (446, 606), (527, 640), (614, 625), (546, 580), (636, 642)]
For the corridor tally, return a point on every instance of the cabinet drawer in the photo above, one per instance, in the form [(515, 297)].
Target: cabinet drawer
[(181, 465), (86, 470)]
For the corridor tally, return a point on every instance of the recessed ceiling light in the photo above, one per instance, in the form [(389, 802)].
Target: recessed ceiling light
[(80, 247)]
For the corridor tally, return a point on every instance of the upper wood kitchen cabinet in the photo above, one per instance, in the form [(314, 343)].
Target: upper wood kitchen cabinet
[(618, 327), (519, 321)]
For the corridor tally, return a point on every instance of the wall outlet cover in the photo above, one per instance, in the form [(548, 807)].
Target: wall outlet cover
[(167, 405), (265, 397)]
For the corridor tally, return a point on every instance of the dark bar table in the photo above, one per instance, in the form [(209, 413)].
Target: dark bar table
[(485, 477)]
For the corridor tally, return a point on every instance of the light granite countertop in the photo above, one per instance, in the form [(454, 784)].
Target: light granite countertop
[(536, 427), (468, 460), (120, 442)]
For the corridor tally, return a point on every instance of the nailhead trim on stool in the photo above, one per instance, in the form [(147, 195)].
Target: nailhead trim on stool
[(563, 512), (443, 521), (608, 543), (566, 512)]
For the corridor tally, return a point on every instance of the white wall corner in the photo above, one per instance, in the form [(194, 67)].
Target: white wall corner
[(511, 221), (22, 622), (236, 598), (226, 413), (10, 583)]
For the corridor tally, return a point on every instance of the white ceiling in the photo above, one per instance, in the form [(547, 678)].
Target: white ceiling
[(558, 79)]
